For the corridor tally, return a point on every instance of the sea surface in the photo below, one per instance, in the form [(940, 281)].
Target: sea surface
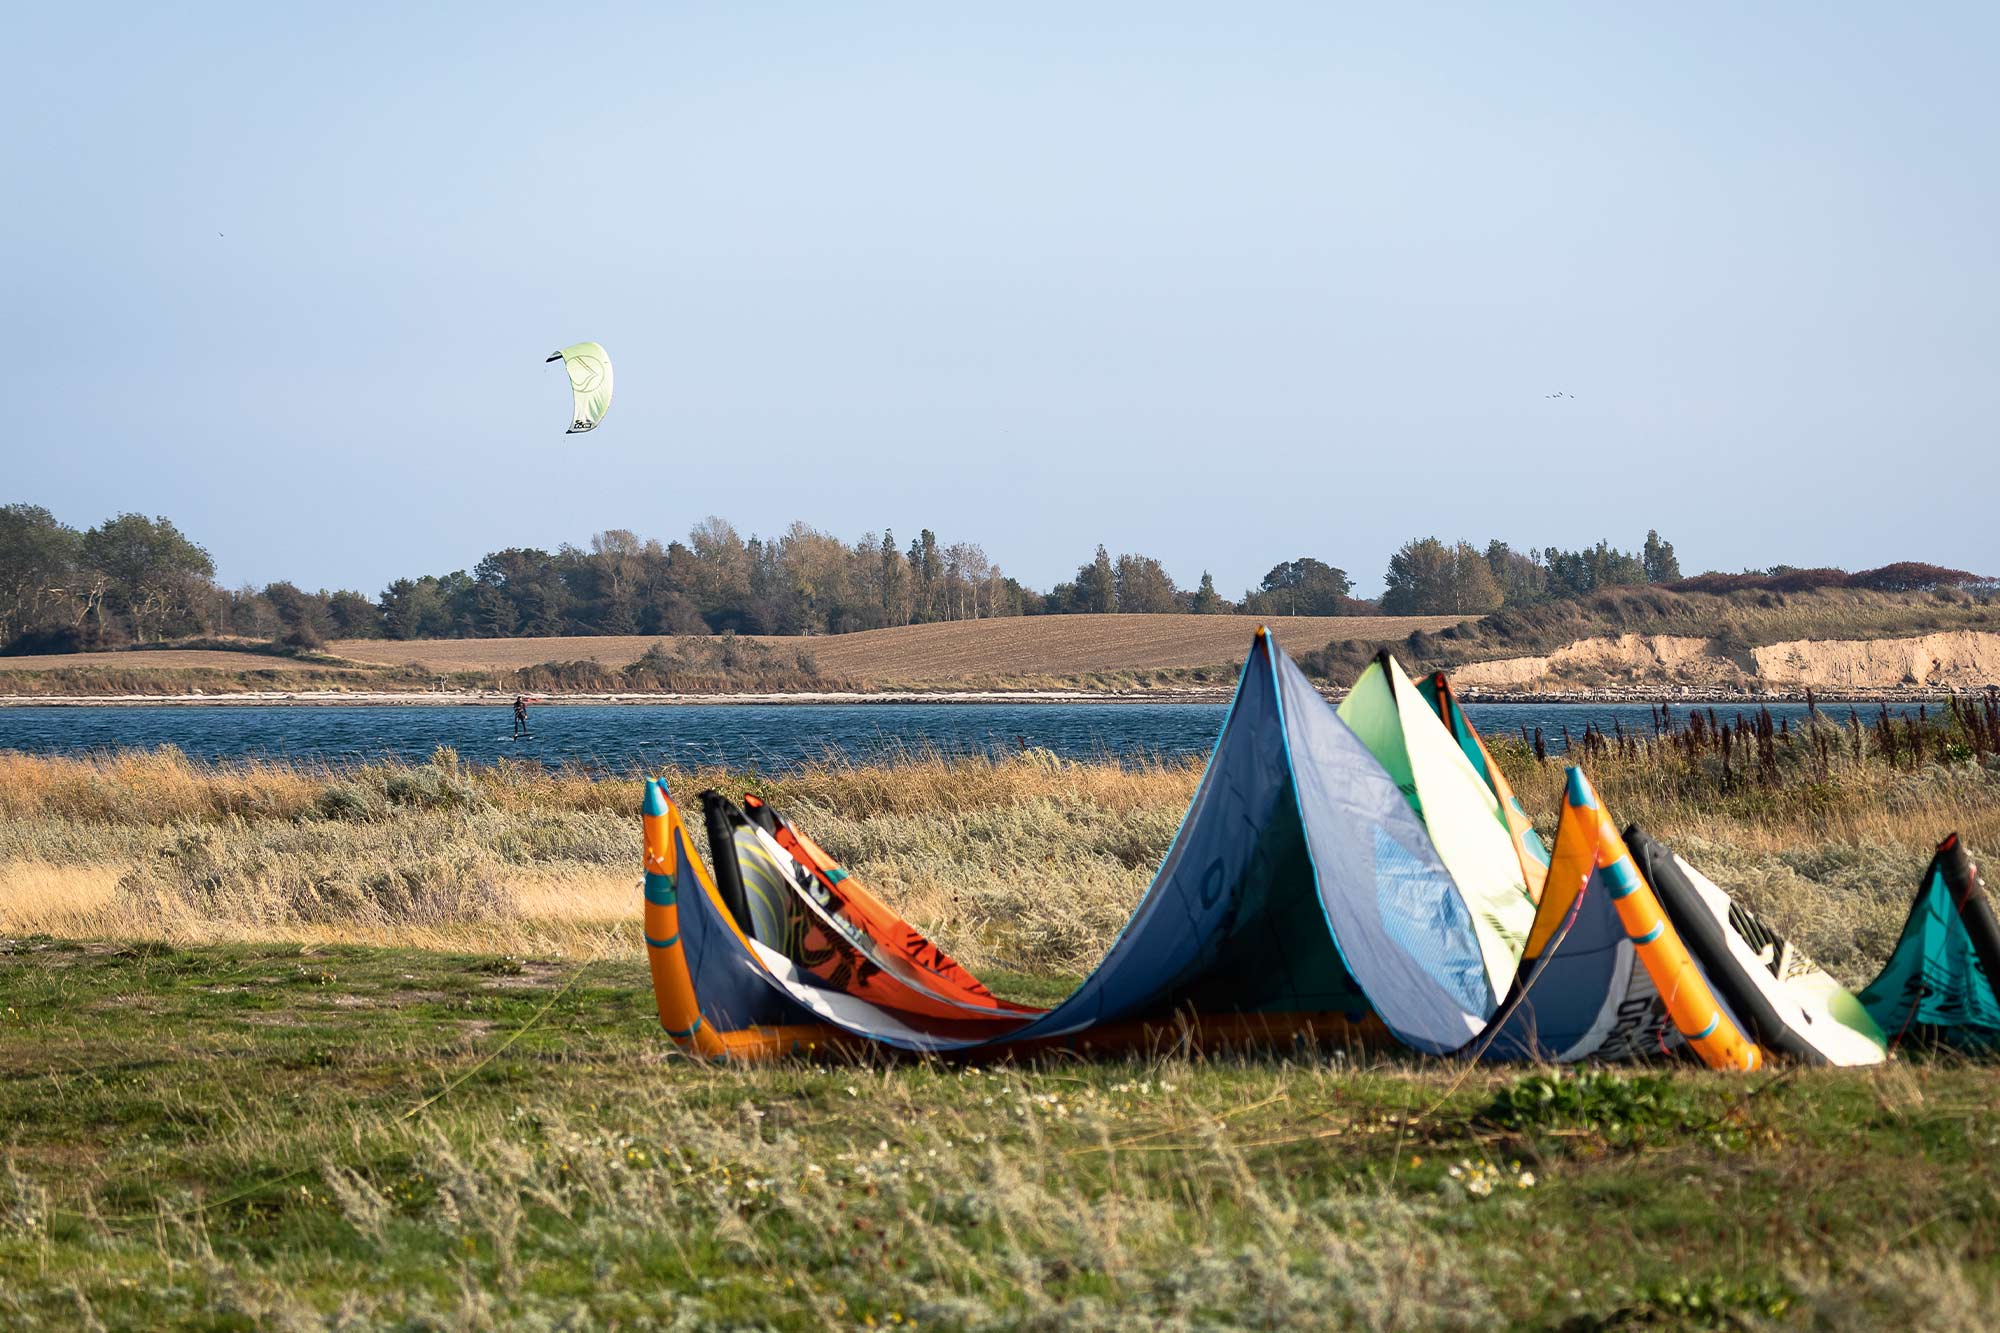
[(626, 738)]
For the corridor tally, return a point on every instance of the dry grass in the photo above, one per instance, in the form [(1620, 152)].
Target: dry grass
[(1027, 862), (1056, 647), (1832, 863), (1023, 863), (567, 913)]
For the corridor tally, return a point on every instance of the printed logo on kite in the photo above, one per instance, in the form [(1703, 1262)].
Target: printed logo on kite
[(589, 369)]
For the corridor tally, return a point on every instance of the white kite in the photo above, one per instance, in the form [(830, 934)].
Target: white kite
[(589, 370)]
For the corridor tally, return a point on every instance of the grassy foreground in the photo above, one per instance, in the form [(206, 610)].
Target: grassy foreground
[(243, 1136), (233, 1095)]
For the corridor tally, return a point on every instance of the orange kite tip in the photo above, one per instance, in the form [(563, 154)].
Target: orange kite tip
[(1262, 631)]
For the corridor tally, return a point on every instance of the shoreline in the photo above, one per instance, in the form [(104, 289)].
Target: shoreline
[(1671, 695)]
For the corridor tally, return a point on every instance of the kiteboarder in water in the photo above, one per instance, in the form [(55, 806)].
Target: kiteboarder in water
[(520, 716)]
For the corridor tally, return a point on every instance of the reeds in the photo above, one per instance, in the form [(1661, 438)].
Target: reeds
[(1024, 862)]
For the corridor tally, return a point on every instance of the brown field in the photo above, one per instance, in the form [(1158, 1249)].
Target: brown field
[(178, 659), (1029, 646)]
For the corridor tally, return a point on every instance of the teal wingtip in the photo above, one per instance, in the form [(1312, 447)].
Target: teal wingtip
[(1577, 790), (656, 798)]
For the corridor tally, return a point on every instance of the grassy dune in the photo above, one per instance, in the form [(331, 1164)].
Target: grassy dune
[(298, 1047)]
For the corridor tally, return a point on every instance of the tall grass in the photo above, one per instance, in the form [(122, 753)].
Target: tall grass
[(1025, 863)]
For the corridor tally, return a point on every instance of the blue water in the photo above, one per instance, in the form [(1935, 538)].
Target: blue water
[(624, 738)]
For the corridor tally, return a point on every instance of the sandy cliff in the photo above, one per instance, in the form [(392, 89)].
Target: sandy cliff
[(1958, 660)]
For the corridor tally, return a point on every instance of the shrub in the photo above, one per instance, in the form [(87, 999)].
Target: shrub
[(439, 785), (347, 800)]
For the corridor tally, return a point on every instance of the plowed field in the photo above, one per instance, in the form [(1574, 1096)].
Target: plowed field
[(1029, 646)]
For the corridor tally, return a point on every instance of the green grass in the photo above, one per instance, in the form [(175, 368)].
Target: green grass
[(204, 1127), (230, 1137)]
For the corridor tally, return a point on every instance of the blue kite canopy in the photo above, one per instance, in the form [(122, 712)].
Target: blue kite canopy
[(1939, 986), (1299, 887)]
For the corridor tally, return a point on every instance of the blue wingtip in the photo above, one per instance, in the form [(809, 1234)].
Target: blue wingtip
[(1577, 790), (656, 798)]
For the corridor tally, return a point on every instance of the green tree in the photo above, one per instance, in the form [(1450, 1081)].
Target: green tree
[(894, 577), (1207, 601), (1658, 561), (1522, 577), (1141, 585), (1426, 577), (305, 616), (926, 576), (42, 583), (354, 616), (1301, 587), (153, 573), (1096, 585), (493, 614), (818, 568), (722, 574), (1573, 573), (415, 609)]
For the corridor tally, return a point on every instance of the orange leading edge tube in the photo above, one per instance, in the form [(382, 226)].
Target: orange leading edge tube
[(673, 985), (1691, 1004)]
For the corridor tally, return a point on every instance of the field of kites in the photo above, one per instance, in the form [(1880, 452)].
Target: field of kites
[(1365, 1021)]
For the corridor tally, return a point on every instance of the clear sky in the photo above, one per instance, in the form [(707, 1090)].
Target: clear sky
[(1223, 284)]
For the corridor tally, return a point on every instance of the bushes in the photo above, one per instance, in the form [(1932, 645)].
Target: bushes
[(347, 800), (721, 664), (438, 785), (1902, 576)]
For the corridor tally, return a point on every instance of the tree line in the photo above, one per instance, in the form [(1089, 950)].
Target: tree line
[(134, 579)]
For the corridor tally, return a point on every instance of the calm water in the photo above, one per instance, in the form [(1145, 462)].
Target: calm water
[(624, 738)]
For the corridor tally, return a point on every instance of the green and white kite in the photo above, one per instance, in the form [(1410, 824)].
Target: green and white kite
[(589, 370)]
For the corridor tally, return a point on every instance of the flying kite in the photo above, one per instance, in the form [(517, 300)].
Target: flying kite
[(589, 380)]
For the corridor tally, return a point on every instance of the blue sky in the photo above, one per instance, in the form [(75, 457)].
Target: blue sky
[(1222, 284)]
